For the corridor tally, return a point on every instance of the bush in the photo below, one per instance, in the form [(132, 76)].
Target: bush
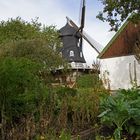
[(19, 85), (72, 110), (66, 91), (89, 81), (84, 108), (20, 90)]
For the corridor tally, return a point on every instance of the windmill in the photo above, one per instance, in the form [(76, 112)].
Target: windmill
[(72, 37)]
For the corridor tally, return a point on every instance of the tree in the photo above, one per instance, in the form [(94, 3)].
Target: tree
[(18, 29), (35, 50), (20, 90), (116, 11), (30, 40)]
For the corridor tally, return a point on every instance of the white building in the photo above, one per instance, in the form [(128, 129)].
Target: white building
[(119, 67)]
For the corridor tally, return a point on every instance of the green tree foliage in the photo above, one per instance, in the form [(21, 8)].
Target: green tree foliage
[(27, 51), (18, 29), (20, 90), (35, 50), (30, 40), (116, 11), (18, 79)]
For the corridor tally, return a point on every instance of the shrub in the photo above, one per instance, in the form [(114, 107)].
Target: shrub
[(20, 90), (89, 81), (66, 91), (84, 108), (73, 110)]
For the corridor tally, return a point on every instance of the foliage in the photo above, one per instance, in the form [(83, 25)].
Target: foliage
[(72, 110), (119, 109), (85, 108), (29, 108), (116, 11), (20, 38), (66, 91), (35, 50), (18, 29), (21, 91), (20, 86), (89, 81), (54, 110), (64, 136), (52, 136)]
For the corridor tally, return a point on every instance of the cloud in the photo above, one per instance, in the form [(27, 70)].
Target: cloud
[(48, 12)]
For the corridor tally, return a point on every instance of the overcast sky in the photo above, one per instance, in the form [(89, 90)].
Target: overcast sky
[(53, 12)]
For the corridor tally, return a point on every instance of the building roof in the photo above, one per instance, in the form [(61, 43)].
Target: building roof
[(71, 50), (68, 30), (123, 41)]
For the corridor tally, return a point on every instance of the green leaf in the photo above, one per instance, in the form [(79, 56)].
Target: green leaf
[(104, 113), (131, 129)]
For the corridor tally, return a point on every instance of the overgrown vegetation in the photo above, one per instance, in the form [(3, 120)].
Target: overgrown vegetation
[(32, 109), (90, 81), (20, 92)]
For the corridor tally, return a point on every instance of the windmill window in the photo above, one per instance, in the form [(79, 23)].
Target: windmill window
[(71, 53), (81, 55)]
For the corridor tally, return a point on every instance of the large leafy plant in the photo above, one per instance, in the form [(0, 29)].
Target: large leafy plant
[(117, 110)]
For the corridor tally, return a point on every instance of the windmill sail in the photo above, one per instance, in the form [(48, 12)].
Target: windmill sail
[(91, 41), (94, 43), (82, 24)]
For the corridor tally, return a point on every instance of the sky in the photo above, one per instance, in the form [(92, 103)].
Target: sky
[(54, 12)]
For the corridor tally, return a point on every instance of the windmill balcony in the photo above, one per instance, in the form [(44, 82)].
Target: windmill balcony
[(78, 65)]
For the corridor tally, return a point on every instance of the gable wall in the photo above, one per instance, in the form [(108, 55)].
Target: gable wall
[(118, 69), (123, 44)]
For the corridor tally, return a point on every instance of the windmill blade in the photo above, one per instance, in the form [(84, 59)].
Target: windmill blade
[(92, 42), (98, 46), (82, 24)]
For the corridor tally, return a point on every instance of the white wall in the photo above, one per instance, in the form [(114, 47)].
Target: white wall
[(116, 72)]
